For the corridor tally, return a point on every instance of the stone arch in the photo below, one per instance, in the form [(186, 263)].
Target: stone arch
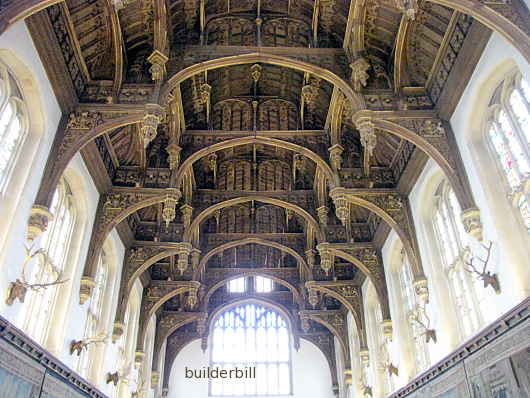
[(194, 226), (333, 178), (219, 284), (282, 310), (355, 99), (381, 290), (246, 241)]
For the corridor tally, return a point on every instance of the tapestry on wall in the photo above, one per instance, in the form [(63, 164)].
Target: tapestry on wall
[(20, 377), (54, 387)]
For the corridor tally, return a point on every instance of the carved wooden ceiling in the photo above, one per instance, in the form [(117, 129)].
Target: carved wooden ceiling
[(271, 86)]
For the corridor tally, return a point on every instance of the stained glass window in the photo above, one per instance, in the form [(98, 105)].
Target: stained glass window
[(13, 125), (251, 336), (509, 133)]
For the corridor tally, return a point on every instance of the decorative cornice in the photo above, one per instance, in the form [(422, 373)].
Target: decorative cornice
[(19, 340)]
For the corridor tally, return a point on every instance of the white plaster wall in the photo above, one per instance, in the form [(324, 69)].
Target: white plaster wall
[(311, 374), (500, 220), (19, 53), (512, 245)]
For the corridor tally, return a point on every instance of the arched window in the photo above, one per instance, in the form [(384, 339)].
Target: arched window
[(13, 125), (248, 336), (453, 247), (508, 131), (411, 304), (93, 327), (56, 242)]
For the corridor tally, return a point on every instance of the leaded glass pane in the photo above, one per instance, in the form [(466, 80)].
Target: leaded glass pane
[(252, 336)]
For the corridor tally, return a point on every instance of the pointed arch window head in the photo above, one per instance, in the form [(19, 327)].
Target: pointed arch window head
[(251, 335), (13, 125), (508, 132)]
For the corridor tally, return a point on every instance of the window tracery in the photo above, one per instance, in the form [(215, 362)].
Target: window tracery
[(508, 132), (13, 125), (251, 335)]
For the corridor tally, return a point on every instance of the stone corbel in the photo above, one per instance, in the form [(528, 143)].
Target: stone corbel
[(421, 288), (359, 73), (117, 331), (348, 377), (38, 222), (326, 258), (472, 223), (183, 251), (155, 378), (138, 358), (153, 116), (85, 289), (335, 156), (158, 62)]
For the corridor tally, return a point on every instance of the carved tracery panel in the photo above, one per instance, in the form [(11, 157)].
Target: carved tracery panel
[(231, 31), (235, 175), (278, 114), (274, 175), (286, 32), (232, 115)]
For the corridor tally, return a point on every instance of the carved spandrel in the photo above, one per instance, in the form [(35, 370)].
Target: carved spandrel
[(336, 321)]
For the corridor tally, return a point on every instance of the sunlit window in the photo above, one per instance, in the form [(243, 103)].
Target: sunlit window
[(94, 322), (56, 242), (252, 336), (263, 285), (13, 125), (453, 248), (237, 285), (410, 301), (508, 130), (259, 284)]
